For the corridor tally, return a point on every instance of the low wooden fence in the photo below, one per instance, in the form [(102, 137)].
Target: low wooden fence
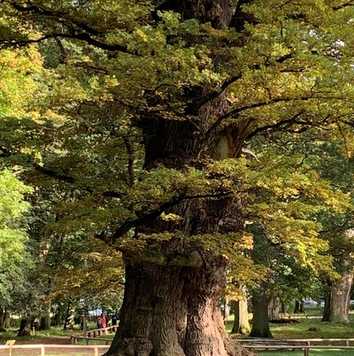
[(52, 350), (305, 349), (103, 331), (299, 342), (305, 345), (74, 339)]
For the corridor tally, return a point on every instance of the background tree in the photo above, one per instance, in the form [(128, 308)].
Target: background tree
[(14, 257)]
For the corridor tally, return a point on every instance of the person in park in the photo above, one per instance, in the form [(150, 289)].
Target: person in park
[(103, 321)]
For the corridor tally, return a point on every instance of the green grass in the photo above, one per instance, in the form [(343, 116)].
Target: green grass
[(301, 329), (11, 334), (314, 353), (322, 329)]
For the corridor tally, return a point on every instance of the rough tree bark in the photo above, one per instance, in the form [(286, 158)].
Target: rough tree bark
[(340, 298), (172, 291), (260, 324), (241, 322), (172, 311)]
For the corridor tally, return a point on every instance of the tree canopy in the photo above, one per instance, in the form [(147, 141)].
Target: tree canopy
[(172, 133)]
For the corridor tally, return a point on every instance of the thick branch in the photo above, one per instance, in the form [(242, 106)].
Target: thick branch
[(273, 101), (72, 36), (198, 102), (59, 16), (151, 215), (275, 126), (71, 180)]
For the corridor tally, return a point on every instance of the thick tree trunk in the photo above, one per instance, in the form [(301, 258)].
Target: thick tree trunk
[(274, 308), (340, 298), (172, 311), (260, 324), (171, 306), (241, 322)]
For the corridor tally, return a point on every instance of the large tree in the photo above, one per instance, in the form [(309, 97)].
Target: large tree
[(145, 107)]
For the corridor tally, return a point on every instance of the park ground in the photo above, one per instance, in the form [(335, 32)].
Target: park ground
[(308, 326)]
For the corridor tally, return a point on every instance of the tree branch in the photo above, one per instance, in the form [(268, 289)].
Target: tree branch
[(72, 36), (237, 111), (150, 216), (275, 126), (71, 180), (60, 17), (344, 5), (198, 102)]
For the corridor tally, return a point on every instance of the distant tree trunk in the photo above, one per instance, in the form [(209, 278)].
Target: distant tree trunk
[(225, 308), (59, 314), (299, 307), (44, 323), (340, 298), (260, 324), (274, 308), (69, 317), (25, 327), (327, 304), (283, 307), (241, 321), (4, 319)]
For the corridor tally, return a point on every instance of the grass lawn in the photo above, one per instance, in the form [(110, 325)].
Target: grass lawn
[(333, 352), (301, 329), (320, 329)]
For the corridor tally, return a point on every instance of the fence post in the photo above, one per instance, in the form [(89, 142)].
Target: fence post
[(96, 351), (306, 351), (42, 350)]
